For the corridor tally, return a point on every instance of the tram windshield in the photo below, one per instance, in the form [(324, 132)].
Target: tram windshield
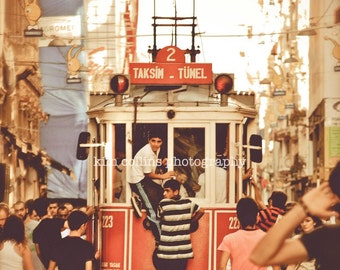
[(199, 154)]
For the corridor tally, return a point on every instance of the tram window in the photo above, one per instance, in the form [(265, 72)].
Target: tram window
[(189, 154), (119, 181), (222, 156), (141, 134)]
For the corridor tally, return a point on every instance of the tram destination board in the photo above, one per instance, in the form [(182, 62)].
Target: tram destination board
[(170, 68), (170, 73)]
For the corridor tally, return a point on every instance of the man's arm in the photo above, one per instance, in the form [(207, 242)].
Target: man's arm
[(37, 249), (88, 265), (52, 265), (27, 259), (275, 247), (163, 176), (197, 215), (258, 196), (223, 260), (195, 218)]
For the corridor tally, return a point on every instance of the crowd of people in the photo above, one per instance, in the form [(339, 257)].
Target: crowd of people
[(279, 235), (285, 235), (43, 234), (277, 247)]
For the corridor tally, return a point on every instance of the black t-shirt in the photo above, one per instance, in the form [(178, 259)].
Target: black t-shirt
[(71, 253), (323, 244), (46, 234)]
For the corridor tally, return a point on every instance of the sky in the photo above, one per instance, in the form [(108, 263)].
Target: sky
[(223, 25)]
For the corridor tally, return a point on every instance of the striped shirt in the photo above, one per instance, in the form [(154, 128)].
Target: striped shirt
[(268, 217), (175, 216)]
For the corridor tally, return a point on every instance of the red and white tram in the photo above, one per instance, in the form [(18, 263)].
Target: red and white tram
[(199, 123), (197, 127)]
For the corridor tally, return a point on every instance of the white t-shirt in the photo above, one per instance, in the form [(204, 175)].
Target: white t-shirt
[(220, 188), (9, 258), (144, 162), (201, 182), (221, 185)]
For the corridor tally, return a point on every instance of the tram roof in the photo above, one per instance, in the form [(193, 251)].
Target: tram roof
[(180, 96)]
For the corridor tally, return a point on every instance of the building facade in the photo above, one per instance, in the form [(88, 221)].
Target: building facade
[(20, 109)]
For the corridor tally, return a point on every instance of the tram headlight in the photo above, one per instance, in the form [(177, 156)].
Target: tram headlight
[(120, 84), (224, 83)]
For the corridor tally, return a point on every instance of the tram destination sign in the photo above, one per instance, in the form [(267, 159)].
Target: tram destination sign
[(170, 73), (170, 68)]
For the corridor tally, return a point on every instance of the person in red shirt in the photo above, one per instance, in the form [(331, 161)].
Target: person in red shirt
[(269, 214)]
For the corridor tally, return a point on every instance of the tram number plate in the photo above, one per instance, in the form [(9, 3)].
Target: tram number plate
[(233, 223), (107, 221)]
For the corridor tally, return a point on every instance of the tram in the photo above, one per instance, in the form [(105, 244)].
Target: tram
[(209, 140)]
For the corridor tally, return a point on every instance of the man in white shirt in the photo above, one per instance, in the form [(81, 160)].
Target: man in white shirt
[(143, 188)]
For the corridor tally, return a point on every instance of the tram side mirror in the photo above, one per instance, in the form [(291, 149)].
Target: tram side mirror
[(83, 152), (255, 143)]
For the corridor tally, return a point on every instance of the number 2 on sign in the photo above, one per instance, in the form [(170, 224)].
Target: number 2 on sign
[(233, 223), (171, 51)]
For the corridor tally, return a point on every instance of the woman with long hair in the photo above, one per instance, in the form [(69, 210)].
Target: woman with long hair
[(14, 251), (306, 226)]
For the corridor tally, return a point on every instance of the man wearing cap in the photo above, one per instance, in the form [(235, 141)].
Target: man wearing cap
[(268, 215), (73, 252), (143, 179)]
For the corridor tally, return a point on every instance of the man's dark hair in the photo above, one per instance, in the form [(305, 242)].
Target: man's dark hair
[(334, 183), (247, 211), (53, 201), (40, 206), (76, 219), (334, 179), (279, 199), (29, 204), (155, 133), (172, 184)]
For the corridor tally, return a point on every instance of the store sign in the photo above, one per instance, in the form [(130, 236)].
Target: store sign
[(60, 29), (282, 117), (170, 69), (280, 92), (290, 106)]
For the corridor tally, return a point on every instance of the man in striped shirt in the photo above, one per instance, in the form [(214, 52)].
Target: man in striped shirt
[(269, 215), (176, 217)]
